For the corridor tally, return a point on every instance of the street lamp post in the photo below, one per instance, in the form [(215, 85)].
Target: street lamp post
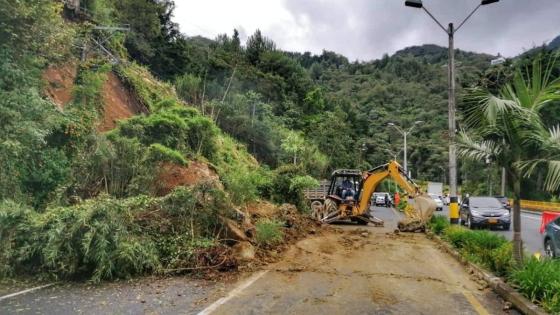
[(393, 154), (405, 134), (450, 31)]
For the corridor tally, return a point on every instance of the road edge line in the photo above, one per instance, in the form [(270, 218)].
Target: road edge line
[(503, 289), (233, 293), (11, 295), (475, 303)]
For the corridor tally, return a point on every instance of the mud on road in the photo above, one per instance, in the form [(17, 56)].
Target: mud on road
[(357, 270)]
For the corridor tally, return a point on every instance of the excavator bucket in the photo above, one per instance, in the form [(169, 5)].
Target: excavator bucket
[(425, 207), (418, 214)]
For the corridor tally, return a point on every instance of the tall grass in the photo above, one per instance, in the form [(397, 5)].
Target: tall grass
[(540, 282), (268, 232), (438, 223), (482, 247)]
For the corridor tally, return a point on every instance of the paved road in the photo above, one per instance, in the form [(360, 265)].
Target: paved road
[(361, 270), (530, 224), (148, 295)]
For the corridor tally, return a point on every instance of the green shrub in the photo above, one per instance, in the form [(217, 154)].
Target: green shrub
[(300, 183), (162, 127), (107, 238), (89, 84), (456, 235), (490, 250), (501, 259), (161, 153), (15, 230), (283, 183), (540, 282), (438, 223), (189, 88), (202, 134), (96, 239), (246, 185), (268, 232)]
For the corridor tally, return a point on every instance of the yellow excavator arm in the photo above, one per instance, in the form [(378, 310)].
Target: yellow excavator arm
[(377, 175)]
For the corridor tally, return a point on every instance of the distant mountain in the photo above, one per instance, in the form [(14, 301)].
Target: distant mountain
[(554, 44), (435, 54)]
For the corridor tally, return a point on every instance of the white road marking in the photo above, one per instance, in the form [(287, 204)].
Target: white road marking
[(235, 292), (26, 291)]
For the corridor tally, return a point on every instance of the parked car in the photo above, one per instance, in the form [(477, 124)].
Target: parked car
[(484, 211), (382, 199), (438, 200), (505, 201), (552, 239)]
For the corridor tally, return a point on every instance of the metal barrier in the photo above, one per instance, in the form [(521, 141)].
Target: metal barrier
[(538, 205)]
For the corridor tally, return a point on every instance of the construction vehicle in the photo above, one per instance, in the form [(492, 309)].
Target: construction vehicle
[(350, 191)]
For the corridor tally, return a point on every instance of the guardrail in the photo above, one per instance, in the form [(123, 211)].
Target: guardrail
[(538, 205)]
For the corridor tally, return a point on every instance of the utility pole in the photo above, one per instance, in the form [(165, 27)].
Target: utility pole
[(451, 30), (453, 200)]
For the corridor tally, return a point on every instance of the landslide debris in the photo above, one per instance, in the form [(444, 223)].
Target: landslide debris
[(59, 83), (118, 103)]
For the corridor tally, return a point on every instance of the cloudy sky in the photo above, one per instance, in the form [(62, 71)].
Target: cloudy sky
[(366, 29)]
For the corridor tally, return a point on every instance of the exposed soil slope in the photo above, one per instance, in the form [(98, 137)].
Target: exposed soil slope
[(172, 175), (118, 103), (59, 83)]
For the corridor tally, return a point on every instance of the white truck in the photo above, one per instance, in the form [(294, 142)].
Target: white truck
[(435, 188)]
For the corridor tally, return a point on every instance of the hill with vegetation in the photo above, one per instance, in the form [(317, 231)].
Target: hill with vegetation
[(132, 151), (106, 171)]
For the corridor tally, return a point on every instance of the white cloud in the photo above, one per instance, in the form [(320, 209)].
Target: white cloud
[(365, 29)]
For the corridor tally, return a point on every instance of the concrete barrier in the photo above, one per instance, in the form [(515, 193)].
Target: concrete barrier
[(538, 205)]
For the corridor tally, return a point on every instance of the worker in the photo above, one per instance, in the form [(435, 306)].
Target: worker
[(347, 189), (397, 198)]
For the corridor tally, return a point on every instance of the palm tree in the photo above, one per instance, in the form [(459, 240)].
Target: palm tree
[(507, 128)]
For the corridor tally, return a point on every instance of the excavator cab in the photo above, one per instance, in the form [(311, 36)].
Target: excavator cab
[(345, 185)]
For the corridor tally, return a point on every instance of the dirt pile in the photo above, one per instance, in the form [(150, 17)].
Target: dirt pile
[(295, 226), (60, 83), (118, 103), (173, 175)]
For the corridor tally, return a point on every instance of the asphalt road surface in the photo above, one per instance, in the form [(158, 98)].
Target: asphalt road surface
[(343, 269), (147, 295), (530, 224)]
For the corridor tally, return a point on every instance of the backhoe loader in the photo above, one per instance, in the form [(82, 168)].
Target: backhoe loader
[(350, 191)]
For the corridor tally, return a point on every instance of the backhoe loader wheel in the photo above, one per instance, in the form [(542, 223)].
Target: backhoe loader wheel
[(331, 211), (317, 210)]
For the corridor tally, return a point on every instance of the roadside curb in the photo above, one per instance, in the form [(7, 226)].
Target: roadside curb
[(503, 289)]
